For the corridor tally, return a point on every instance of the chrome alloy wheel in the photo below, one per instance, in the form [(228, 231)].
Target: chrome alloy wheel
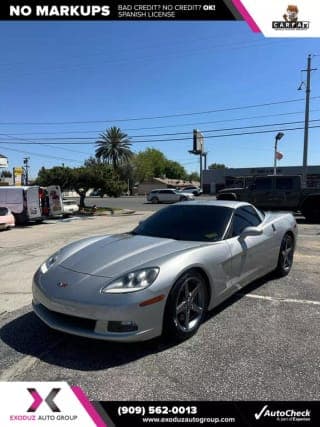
[(190, 304), (286, 253)]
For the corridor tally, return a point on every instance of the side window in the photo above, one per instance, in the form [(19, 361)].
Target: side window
[(244, 217), (284, 183), (263, 183), (251, 216)]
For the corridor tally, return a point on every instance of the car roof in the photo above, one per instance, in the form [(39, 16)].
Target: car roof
[(233, 204), (162, 189)]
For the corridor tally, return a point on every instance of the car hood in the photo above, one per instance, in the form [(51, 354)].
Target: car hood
[(113, 255)]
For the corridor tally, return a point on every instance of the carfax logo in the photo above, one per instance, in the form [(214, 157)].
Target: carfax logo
[(290, 415), (290, 20)]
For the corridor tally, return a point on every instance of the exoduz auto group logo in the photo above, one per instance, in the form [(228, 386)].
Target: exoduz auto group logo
[(283, 415), (291, 20), (37, 400), (46, 403)]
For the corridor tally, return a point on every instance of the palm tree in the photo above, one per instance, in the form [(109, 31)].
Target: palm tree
[(114, 147)]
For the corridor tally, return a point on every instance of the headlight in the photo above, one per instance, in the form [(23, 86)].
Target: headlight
[(49, 262), (133, 281)]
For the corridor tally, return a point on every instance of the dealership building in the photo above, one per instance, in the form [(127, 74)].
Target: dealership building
[(214, 180)]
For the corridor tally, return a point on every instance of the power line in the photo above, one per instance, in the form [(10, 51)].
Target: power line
[(168, 126), (168, 134), (153, 135), (169, 140), (160, 117), (46, 145), (41, 155)]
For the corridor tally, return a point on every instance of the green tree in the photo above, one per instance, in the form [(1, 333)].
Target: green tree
[(58, 175), (194, 176), (217, 166), (83, 179), (148, 164), (93, 176), (114, 147), (174, 170), (126, 173), (6, 174)]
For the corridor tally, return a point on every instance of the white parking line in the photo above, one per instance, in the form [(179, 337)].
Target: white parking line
[(299, 301)]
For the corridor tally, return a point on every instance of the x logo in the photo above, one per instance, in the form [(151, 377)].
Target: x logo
[(38, 400)]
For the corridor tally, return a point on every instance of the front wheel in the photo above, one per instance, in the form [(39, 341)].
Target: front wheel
[(285, 259), (186, 306), (154, 200)]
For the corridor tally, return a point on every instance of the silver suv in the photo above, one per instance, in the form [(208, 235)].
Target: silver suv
[(168, 195), (193, 190)]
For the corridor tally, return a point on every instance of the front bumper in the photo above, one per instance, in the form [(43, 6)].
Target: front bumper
[(60, 310)]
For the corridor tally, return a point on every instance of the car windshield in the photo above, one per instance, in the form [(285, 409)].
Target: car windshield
[(196, 223)]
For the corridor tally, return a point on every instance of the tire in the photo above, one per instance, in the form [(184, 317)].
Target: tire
[(183, 198), (285, 259), (186, 306), (154, 200)]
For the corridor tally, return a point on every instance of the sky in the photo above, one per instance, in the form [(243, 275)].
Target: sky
[(66, 80)]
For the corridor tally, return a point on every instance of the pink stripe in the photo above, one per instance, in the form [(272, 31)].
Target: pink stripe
[(254, 27), (37, 401), (88, 407)]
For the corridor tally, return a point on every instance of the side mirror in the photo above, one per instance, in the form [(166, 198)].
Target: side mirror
[(251, 231)]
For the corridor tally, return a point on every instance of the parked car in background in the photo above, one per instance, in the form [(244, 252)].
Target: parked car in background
[(275, 192), (168, 195), (96, 193), (69, 207), (6, 219), (23, 202), (196, 191)]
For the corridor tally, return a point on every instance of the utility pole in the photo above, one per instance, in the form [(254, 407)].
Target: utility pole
[(26, 169), (306, 121)]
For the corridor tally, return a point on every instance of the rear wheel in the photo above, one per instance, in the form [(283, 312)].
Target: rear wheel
[(154, 200), (286, 253), (186, 306)]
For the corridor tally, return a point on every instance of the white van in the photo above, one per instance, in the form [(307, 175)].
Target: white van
[(23, 202), (55, 200)]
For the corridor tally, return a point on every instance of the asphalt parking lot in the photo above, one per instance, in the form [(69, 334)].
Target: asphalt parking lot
[(263, 344)]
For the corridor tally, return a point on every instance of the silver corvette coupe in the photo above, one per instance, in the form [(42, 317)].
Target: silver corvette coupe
[(163, 276)]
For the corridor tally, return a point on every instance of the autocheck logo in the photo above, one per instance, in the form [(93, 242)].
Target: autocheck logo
[(37, 400), (290, 415), (290, 20)]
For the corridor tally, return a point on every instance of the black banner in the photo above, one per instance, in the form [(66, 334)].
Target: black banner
[(212, 10), (123, 414)]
